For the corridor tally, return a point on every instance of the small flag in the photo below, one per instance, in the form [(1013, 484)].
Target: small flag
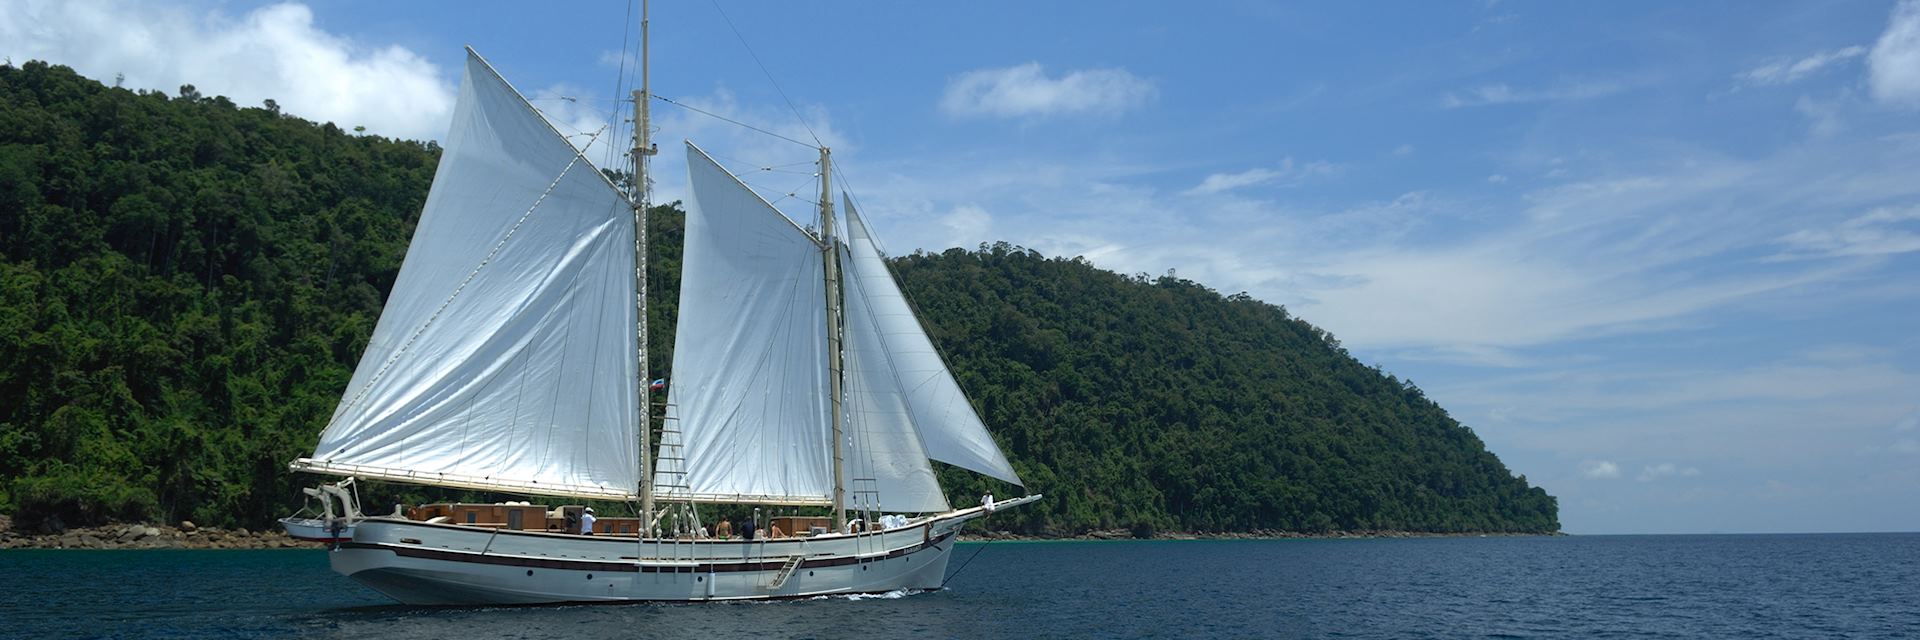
[(657, 385)]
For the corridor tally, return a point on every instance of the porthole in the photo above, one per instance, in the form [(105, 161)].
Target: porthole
[(529, 572), (809, 574), (699, 578), (589, 576)]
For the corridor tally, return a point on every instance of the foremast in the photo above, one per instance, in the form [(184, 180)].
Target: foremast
[(643, 149)]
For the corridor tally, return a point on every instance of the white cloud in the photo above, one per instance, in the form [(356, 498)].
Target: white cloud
[(969, 224), (1666, 470), (1824, 115), (1894, 65), (1600, 469), (1878, 232), (620, 59), (1403, 150), (1225, 181), (1289, 172), (1784, 71), (274, 52), (1605, 257), (1497, 179), (1501, 93), (1025, 91), (1574, 261)]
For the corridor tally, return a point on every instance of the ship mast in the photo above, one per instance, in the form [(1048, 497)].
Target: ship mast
[(643, 149), (833, 334)]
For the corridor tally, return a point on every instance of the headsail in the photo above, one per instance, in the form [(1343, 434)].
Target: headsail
[(886, 467), (748, 401), (504, 357), (950, 431)]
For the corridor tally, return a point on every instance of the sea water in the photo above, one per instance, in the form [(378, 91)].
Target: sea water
[(1745, 586)]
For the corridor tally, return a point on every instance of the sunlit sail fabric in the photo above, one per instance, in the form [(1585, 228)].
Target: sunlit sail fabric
[(950, 431), (886, 468), (505, 356), (748, 396)]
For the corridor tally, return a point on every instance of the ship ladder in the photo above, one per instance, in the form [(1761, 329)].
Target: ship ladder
[(673, 460), (787, 570)]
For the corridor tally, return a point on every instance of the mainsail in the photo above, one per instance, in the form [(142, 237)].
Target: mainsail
[(504, 358), (748, 401)]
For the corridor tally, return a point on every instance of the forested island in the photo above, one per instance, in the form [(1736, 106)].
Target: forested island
[(186, 285)]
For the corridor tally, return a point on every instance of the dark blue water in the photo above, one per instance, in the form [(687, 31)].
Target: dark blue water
[(1771, 586)]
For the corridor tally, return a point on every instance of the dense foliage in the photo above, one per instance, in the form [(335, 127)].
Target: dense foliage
[(186, 284), (184, 289), (1156, 404)]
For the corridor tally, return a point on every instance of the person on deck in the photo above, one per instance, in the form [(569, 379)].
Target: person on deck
[(724, 530), (586, 522), (746, 529)]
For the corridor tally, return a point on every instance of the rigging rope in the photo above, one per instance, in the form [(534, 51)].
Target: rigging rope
[(963, 565), (619, 81), (769, 74), (728, 120)]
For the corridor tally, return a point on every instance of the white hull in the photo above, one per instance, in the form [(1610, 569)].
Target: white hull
[(441, 564)]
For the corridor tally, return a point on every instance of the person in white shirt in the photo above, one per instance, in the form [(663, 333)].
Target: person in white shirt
[(586, 522)]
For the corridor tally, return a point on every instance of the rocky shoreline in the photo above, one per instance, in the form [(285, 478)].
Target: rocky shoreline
[(185, 535), (1257, 534)]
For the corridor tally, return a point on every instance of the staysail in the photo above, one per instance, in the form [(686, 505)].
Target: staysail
[(950, 431), (504, 357), (886, 467), (747, 407)]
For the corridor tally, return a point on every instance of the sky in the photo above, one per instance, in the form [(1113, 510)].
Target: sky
[(1664, 258)]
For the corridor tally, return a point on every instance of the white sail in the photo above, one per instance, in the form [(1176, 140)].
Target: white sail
[(886, 467), (748, 394), (950, 431), (504, 358)]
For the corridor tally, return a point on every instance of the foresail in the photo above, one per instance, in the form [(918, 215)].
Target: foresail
[(749, 377), (504, 358), (950, 431), (886, 466)]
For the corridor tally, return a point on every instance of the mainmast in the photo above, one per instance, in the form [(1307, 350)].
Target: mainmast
[(833, 334), (640, 192)]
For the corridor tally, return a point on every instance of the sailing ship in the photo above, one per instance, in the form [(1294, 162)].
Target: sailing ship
[(511, 357)]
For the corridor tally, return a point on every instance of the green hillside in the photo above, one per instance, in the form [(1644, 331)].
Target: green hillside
[(185, 285)]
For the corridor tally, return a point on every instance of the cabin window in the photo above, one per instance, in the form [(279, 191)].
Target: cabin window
[(470, 516), (514, 519)]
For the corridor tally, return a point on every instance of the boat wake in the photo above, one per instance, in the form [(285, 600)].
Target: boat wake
[(895, 594)]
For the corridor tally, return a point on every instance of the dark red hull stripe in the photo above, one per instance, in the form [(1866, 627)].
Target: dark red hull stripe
[(593, 565)]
